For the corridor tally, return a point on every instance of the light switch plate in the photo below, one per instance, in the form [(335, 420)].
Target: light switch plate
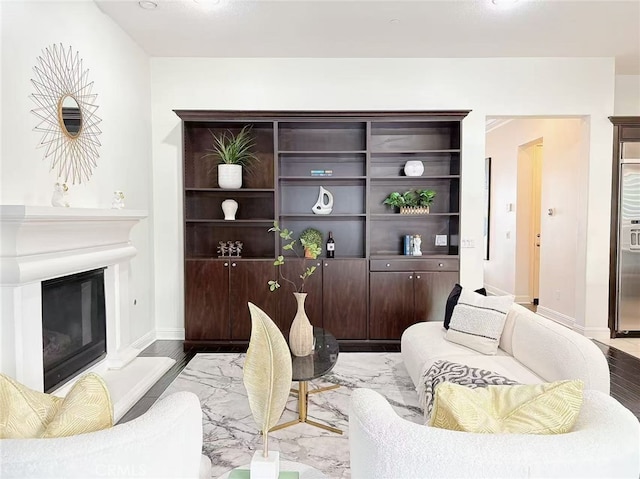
[(441, 240)]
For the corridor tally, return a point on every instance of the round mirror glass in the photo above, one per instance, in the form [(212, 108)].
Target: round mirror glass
[(69, 116)]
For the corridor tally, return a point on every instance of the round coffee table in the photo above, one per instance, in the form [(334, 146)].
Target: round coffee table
[(313, 366), (306, 472)]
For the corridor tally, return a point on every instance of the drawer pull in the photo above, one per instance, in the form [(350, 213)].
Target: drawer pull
[(411, 277), (226, 264), (388, 265), (233, 264), (418, 276), (441, 264)]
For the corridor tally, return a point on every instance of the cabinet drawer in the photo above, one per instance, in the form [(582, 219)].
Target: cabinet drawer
[(427, 264)]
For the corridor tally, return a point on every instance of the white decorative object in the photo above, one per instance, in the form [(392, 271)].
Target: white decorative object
[(229, 208), (59, 195), (324, 205), (265, 467), (417, 241), (229, 176), (117, 203), (413, 168)]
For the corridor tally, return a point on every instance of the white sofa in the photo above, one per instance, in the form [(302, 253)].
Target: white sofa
[(165, 442), (605, 442)]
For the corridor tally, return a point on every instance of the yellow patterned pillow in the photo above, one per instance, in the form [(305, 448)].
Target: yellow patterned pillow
[(24, 413), (550, 408), (86, 408)]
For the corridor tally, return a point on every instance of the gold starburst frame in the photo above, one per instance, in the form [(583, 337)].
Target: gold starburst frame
[(59, 75)]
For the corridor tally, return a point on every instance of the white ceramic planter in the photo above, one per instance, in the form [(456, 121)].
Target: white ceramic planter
[(229, 176)]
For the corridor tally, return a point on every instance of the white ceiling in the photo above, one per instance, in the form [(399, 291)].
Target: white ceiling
[(418, 28)]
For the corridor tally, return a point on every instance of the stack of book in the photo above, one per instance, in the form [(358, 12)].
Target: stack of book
[(321, 172)]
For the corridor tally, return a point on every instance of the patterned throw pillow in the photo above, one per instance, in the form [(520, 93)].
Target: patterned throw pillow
[(25, 413), (445, 371), (452, 300), (550, 408), (86, 408), (478, 321)]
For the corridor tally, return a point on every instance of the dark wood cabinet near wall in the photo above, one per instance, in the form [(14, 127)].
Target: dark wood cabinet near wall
[(371, 291)]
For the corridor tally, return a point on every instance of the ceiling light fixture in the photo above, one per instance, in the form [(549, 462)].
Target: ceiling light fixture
[(504, 2), (394, 21), (148, 5)]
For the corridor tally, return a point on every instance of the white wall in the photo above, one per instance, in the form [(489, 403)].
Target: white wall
[(562, 244), (120, 71), (627, 96), (507, 87)]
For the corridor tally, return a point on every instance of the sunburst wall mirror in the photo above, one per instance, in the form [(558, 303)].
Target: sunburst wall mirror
[(66, 108)]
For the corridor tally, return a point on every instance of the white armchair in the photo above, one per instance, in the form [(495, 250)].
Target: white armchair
[(165, 442), (605, 442)]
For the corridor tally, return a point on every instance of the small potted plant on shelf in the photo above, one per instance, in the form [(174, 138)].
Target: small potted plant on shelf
[(301, 331), (412, 202), (233, 153), (311, 238)]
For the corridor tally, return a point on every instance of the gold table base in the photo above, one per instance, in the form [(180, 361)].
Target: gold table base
[(303, 402)]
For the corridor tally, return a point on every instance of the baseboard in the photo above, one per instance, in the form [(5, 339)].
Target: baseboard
[(493, 291), (170, 333), (557, 317), (144, 341), (603, 334)]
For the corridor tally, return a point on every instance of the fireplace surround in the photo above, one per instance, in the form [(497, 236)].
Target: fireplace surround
[(41, 243)]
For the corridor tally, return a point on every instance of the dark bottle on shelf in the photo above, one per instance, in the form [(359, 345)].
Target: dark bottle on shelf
[(331, 246)]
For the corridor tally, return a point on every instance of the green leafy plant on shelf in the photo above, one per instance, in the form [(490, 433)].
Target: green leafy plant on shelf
[(410, 199), (312, 238), (290, 245), (233, 149)]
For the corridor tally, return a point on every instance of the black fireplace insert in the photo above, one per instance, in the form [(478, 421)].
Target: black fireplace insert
[(73, 325)]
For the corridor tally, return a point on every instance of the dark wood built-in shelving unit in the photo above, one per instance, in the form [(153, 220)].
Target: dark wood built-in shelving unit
[(370, 292)]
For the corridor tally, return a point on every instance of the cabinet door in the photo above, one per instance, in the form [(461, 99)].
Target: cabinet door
[(206, 315), (391, 309), (431, 292), (344, 301), (249, 281), (287, 305)]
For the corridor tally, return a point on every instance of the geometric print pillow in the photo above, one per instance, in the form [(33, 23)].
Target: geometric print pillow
[(446, 371), (477, 321)]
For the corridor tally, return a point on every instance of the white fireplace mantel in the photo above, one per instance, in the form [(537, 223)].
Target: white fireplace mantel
[(43, 242), (40, 243)]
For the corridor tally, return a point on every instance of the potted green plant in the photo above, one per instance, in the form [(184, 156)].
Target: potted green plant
[(233, 153), (414, 202), (301, 331), (311, 239)]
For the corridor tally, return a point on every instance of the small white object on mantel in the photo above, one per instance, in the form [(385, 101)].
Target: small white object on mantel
[(58, 199), (265, 467), (117, 203)]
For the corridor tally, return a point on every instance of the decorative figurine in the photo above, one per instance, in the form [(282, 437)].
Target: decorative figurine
[(323, 207), (417, 241), (117, 203), (229, 208), (59, 193), (229, 249)]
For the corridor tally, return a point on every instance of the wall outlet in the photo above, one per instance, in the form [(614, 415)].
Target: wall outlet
[(468, 243), (556, 294), (441, 240)]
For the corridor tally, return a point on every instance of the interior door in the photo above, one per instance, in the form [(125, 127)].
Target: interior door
[(536, 207)]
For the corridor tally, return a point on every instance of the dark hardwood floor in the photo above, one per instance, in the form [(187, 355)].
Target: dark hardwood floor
[(625, 375)]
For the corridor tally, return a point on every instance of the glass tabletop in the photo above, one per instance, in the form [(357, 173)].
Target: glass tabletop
[(321, 361)]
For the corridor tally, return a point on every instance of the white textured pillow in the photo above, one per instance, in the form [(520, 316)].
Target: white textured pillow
[(477, 321)]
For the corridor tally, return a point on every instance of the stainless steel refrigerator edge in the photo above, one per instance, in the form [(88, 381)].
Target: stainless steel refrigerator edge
[(628, 267)]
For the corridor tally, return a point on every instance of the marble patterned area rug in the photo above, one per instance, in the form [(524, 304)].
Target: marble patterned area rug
[(231, 435)]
